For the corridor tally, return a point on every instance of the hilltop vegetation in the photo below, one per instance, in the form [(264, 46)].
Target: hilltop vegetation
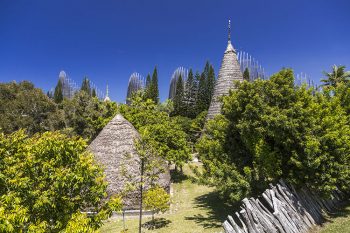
[(268, 129)]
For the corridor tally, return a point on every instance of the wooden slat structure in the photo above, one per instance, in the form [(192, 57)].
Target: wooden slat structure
[(281, 208), (230, 71)]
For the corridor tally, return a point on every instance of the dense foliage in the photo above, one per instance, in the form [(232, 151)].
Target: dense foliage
[(46, 181), (86, 116), (152, 89), (22, 106), (246, 75), (158, 128), (157, 200), (274, 129), (337, 76), (190, 95), (179, 98), (193, 95)]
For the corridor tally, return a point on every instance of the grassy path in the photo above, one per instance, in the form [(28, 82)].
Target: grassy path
[(195, 209), (336, 223)]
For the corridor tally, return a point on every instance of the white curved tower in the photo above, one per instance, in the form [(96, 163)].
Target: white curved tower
[(136, 83), (184, 75)]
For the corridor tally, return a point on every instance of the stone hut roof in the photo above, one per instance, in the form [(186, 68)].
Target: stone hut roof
[(229, 72), (114, 149)]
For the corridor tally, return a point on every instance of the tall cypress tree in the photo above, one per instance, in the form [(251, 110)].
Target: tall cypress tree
[(148, 88), (202, 103), (154, 85), (93, 94), (85, 86), (58, 95), (148, 80), (206, 69), (190, 95), (179, 97), (210, 84), (246, 75)]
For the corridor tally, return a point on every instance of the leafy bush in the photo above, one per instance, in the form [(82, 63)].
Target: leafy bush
[(157, 200), (158, 129), (273, 129), (46, 180)]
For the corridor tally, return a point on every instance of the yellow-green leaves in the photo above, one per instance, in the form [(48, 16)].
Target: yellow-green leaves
[(45, 182), (157, 199)]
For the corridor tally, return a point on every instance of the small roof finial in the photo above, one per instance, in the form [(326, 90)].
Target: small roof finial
[(107, 97), (229, 30)]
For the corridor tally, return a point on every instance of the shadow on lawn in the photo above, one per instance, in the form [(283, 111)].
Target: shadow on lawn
[(156, 224), (217, 210), (177, 176)]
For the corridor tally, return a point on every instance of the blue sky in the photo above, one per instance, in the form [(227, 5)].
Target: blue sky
[(109, 40)]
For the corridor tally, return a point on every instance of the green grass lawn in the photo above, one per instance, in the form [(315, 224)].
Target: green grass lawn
[(195, 209), (337, 223)]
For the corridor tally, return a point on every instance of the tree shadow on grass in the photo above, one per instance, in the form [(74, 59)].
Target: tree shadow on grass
[(217, 210), (177, 176), (156, 224)]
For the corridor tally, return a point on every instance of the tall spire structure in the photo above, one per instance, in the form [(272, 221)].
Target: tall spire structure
[(229, 31), (107, 95), (230, 72)]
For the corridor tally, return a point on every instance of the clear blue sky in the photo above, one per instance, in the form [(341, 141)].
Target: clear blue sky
[(108, 40)]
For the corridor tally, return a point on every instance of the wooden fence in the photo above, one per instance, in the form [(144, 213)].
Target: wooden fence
[(281, 209)]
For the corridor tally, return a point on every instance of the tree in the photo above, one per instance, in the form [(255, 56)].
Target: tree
[(190, 95), (158, 129), (85, 86), (246, 75), (46, 181), (206, 69), (154, 86), (272, 129), (93, 93), (179, 98), (210, 84), (157, 200), (337, 76), (148, 89), (87, 116), (342, 93), (148, 80), (202, 103), (151, 166), (49, 94), (196, 126), (167, 106), (24, 106), (58, 94)]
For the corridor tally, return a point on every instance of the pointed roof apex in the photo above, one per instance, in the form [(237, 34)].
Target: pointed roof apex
[(107, 95), (119, 117), (229, 45)]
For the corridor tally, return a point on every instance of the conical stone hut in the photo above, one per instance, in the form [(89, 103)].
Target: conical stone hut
[(114, 148), (229, 72)]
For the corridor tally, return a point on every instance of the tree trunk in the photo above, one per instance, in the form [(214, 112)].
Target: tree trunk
[(141, 189), (124, 220)]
